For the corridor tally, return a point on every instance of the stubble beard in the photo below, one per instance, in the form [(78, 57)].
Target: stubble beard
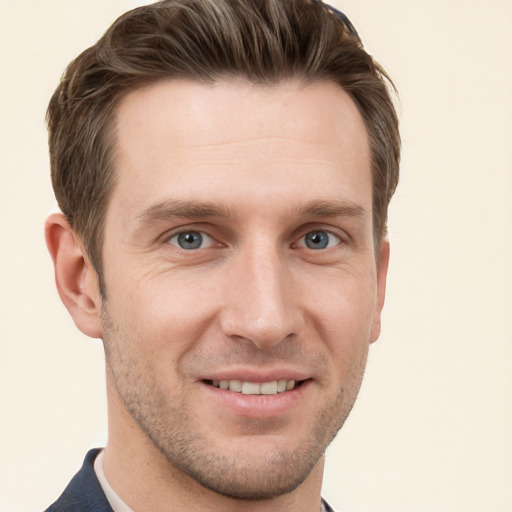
[(252, 475)]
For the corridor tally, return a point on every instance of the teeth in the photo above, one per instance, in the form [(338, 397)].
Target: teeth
[(251, 388), (236, 385), (269, 388), (256, 388)]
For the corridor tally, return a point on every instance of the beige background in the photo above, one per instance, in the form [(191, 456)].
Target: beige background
[(432, 429)]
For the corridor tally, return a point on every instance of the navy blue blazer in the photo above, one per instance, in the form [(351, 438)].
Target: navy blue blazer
[(84, 492)]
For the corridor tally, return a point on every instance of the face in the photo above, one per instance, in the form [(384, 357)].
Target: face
[(242, 291)]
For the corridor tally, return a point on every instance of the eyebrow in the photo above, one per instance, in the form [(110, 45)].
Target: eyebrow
[(322, 208), (171, 209)]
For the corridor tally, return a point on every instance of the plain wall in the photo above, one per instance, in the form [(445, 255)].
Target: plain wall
[(432, 428)]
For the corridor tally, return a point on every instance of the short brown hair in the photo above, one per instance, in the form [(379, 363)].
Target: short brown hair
[(263, 41)]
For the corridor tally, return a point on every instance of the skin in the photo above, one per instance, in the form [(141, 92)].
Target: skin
[(253, 170)]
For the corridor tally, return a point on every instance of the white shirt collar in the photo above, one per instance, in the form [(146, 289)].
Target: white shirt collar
[(117, 504)]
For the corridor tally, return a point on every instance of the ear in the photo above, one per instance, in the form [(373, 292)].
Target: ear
[(76, 280), (382, 272)]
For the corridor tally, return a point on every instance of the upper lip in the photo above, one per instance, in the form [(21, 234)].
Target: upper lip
[(256, 375)]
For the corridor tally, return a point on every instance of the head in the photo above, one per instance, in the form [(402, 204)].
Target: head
[(264, 42), (225, 169)]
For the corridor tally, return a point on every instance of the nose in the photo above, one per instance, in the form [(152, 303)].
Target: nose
[(260, 303)]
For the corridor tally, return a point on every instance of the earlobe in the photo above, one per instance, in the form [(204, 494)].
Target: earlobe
[(75, 278), (382, 272)]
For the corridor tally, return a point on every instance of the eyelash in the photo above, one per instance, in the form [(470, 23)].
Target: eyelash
[(190, 232), (302, 243), (331, 237)]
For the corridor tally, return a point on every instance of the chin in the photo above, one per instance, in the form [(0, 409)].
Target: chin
[(257, 477), (251, 467)]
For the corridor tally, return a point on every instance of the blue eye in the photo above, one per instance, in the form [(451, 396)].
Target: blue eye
[(319, 240), (190, 240)]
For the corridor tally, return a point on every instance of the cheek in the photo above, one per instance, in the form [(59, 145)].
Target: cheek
[(342, 317), (342, 305), (166, 312)]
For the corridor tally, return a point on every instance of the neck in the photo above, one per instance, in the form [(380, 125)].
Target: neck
[(146, 481)]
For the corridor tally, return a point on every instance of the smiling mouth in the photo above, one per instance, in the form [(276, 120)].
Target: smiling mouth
[(256, 388)]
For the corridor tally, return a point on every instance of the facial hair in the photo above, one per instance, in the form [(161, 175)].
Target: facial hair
[(165, 416)]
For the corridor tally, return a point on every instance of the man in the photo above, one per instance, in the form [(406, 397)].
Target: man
[(224, 169)]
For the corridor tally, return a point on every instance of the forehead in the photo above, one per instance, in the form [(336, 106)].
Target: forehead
[(199, 114), (229, 138)]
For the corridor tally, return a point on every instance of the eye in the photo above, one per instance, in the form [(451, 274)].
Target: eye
[(319, 239), (190, 240)]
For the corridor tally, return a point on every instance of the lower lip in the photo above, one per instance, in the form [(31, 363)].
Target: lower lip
[(257, 406)]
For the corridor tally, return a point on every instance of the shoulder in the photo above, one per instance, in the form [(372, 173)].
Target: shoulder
[(84, 492), (326, 507)]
